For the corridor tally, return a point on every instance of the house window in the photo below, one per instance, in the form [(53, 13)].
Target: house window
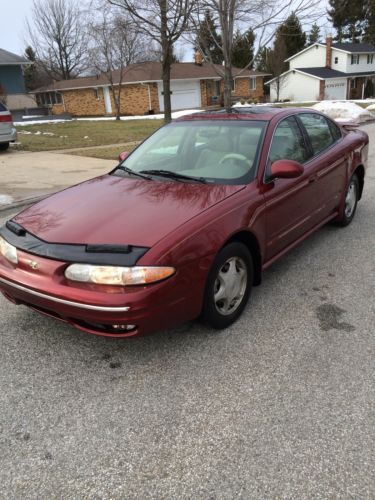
[(49, 98), (370, 58), (217, 87), (355, 59), (253, 83), (336, 60)]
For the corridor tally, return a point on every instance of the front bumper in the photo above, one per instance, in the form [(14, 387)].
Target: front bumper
[(97, 309), (11, 137)]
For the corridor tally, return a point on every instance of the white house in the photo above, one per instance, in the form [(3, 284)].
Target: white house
[(326, 71)]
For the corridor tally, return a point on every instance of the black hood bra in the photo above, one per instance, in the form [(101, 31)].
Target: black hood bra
[(99, 254)]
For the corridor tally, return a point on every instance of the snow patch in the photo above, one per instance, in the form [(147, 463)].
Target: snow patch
[(5, 199), (344, 111)]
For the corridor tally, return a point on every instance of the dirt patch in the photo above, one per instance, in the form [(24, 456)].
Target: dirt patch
[(329, 318)]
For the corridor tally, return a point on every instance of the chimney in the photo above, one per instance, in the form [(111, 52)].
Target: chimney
[(198, 58), (329, 51)]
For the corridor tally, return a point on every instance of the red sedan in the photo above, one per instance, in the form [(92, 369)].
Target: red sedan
[(185, 225)]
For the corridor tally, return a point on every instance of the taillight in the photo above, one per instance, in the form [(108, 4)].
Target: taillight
[(6, 118)]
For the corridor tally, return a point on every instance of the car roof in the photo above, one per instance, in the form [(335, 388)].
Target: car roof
[(262, 113)]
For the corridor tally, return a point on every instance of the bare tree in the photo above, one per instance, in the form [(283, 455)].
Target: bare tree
[(261, 16), (116, 44), (59, 37), (276, 64), (164, 21)]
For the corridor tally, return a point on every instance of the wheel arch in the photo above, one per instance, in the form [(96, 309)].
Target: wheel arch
[(360, 172), (252, 244)]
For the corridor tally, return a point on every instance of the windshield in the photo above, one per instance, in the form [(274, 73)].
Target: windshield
[(218, 151)]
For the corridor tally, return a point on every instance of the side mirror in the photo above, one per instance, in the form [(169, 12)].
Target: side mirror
[(123, 155), (285, 169)]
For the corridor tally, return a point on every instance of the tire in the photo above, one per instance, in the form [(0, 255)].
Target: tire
[(4, 146), (223, 306), (350, 202)]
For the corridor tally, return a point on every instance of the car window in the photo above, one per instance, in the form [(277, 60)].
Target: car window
[(2, 107), (220, 151), (288, 142), (335, 130), (318, 130)]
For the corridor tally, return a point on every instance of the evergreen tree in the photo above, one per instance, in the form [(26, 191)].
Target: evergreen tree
[(369, 31), (243, 49), (292, 34), (208, 40), (314, 35), (261, 61), (348, 18)]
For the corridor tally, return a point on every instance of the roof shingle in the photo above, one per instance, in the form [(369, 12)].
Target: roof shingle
[(10, 58), (150, 72)]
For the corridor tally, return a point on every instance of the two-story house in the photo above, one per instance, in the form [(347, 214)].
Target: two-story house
[(326, 71), (12, 83)]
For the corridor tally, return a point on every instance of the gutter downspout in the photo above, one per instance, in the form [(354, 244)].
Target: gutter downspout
[(149, 96)]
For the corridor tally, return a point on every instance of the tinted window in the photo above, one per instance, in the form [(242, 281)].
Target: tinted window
[(318, 130), (2, 107), (288, 143)]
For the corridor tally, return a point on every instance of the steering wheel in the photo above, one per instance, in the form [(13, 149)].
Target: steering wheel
[(235, 156)]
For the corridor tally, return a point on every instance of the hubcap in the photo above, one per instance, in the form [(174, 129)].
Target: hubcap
[(350, 199), (230, 286)]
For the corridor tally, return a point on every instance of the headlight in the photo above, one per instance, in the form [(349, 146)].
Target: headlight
[(8, 251), (111, 275)]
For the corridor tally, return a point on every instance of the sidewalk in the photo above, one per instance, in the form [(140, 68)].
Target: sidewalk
[(25, 175)]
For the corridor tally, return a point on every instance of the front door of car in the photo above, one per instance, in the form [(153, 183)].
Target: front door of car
[(329, 161), (290, 203)]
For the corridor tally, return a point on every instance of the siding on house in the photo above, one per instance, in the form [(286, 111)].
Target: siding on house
[(313, 57), (296, 87), (11, 79)]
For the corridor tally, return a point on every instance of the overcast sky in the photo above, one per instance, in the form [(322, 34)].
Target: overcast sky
[(15, 12), (13, 15)]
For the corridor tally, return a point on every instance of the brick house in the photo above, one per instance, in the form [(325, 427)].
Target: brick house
[(193, 85)]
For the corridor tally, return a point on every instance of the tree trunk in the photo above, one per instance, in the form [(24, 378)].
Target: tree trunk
[(167, 91), (166, 60), (228, 88), (116, 100)]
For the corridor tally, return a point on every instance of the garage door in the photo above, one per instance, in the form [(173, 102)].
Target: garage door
[(185, 95)]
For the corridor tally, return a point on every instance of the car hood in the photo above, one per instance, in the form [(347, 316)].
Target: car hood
[(120, 210)]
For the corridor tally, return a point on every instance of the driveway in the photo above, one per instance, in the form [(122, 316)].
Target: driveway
[(27, 175), (280, 405)]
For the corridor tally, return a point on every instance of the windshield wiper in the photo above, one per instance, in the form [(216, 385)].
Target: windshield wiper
[(133, 172), (174, 175)]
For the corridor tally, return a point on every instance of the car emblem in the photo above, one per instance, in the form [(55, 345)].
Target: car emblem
[(33, 264)]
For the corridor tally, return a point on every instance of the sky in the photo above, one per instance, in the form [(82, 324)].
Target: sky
[(15, 12), (12, 26)]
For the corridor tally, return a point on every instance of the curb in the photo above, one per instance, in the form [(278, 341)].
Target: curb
[(22, 203)]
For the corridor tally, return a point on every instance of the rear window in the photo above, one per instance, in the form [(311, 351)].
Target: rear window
[(2, 107)]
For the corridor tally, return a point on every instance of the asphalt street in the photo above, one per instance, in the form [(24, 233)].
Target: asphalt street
[(280, 405)]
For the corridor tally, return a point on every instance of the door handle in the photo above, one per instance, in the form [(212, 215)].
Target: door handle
[(312, 179)]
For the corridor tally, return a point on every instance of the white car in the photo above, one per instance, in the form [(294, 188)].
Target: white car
[(8, 132)]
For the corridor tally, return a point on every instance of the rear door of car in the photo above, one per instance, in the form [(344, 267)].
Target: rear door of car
[(329, 160), (5, 121), (291, 207)]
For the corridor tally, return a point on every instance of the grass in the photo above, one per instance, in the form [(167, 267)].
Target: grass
[(79, 134), (107, 153)]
